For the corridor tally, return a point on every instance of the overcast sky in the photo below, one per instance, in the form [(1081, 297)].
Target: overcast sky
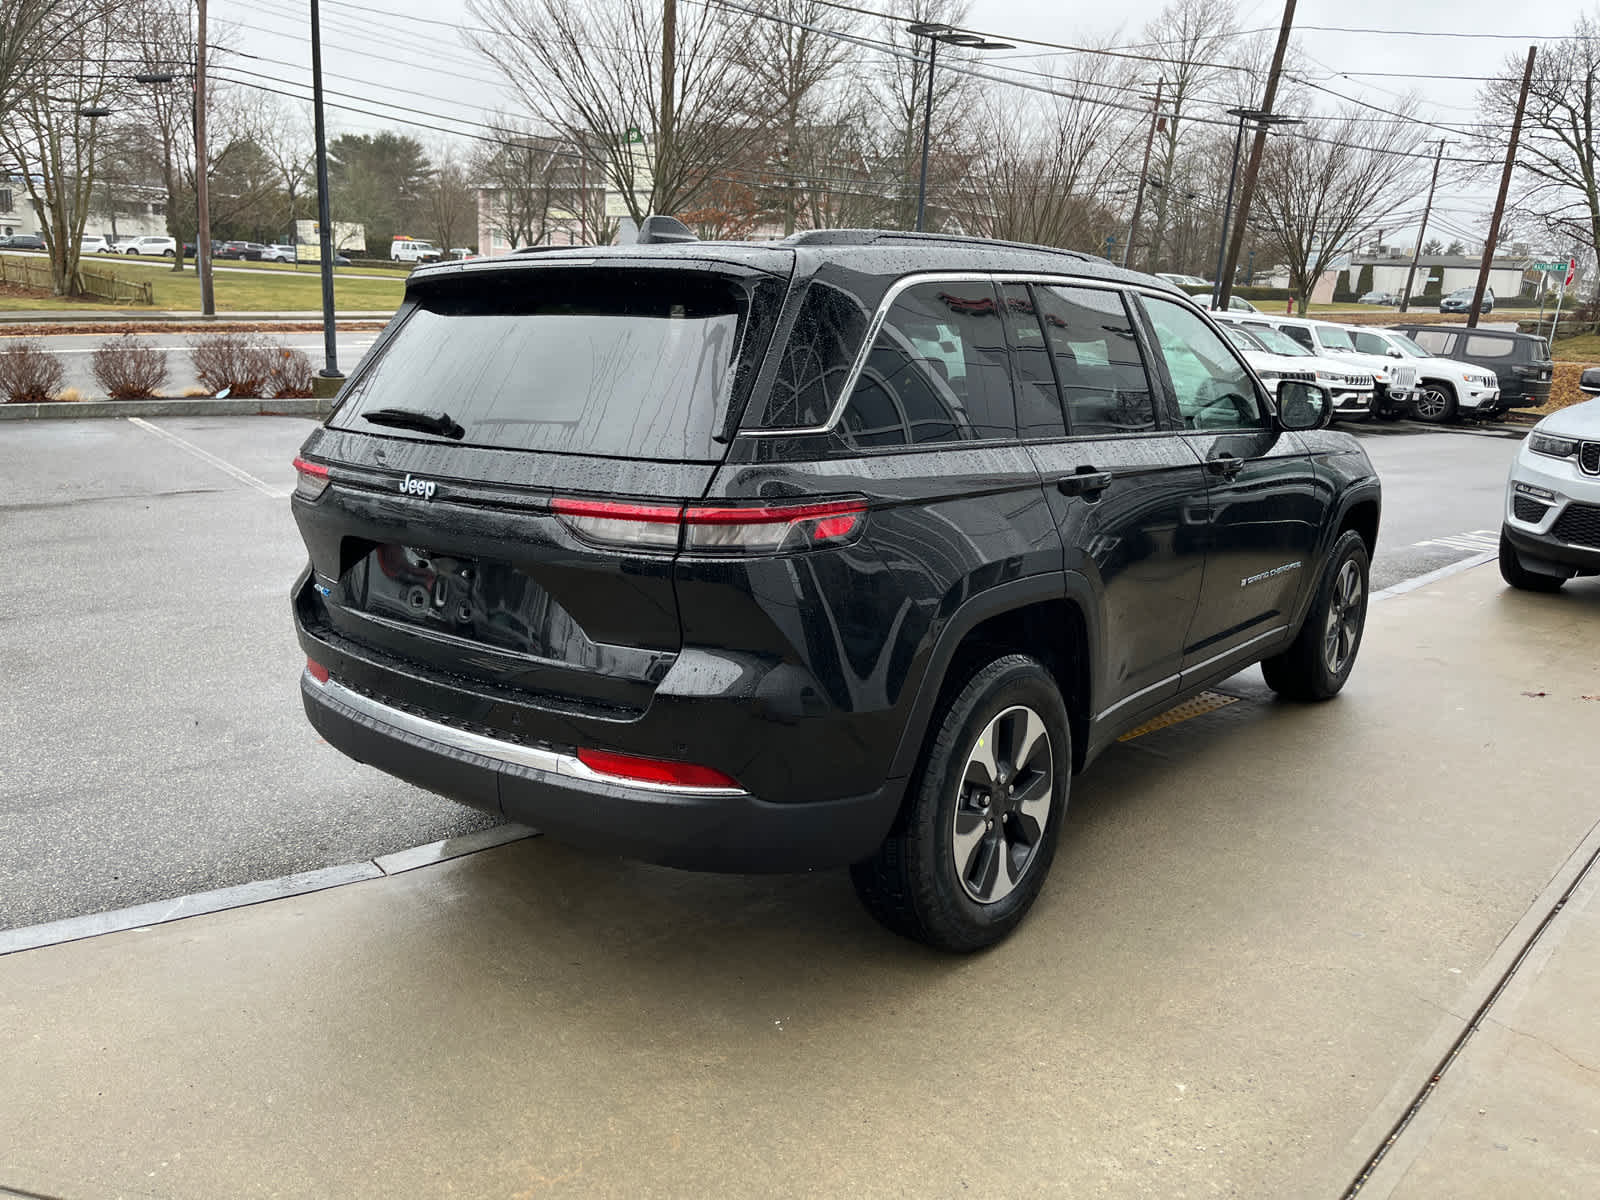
[(412, 59)]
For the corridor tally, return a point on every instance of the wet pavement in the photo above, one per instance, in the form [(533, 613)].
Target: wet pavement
[(1264, 930)]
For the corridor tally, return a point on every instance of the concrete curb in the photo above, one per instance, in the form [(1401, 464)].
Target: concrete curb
[(205, 406), (159, 912)]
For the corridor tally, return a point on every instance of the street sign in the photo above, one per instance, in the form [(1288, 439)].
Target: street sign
[(1572, 271)]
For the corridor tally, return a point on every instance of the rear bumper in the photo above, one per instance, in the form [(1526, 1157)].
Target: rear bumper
[(707, 829)]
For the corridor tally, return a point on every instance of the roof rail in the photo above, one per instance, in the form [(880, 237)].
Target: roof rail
[(878, 237)]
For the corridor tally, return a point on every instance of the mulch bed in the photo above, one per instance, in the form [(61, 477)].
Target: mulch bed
[(23, 291)]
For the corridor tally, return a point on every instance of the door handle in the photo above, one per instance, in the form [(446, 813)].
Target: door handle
[(1226, 465), (1085, 482)]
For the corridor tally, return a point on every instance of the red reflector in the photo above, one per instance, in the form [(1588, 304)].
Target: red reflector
[(653, 770), (317, 670), (319, 470)]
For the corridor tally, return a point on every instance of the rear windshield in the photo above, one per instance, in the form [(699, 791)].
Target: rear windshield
[(612, 363)]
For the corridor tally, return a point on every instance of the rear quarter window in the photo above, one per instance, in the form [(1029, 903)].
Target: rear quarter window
[(1434, 341), (1479, 346)]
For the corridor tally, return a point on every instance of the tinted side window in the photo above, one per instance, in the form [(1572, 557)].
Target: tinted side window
[(1489, 347), (1300, 334), (1038, 401), (938, 371), (1103, 379), (1434, 341), (827, 333), (1214, 391)]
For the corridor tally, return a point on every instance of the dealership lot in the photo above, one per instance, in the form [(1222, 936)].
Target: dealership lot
[(1266, 924)]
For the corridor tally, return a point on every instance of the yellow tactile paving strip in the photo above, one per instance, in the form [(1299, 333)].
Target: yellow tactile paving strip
[(1203, 703)]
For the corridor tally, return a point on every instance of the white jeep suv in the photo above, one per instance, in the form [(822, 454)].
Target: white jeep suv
[(1445, 386), (1350, 387), (1551, 530)]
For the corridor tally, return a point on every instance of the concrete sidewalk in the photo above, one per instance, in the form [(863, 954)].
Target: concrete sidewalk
[(1265, 929)]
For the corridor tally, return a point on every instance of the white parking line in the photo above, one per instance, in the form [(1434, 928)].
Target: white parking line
[(205, 455), (1478, 541)]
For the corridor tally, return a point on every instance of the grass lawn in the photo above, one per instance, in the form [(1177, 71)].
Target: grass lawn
[(281, 291), (1584, 348), (136, 260)]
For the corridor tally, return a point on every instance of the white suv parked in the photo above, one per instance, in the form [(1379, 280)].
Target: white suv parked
[(148, 245), (1396, 381), (1350, 388), (1551, 529), (1444, 385)]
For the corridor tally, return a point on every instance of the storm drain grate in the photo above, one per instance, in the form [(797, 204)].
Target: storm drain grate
[(1198, 707)]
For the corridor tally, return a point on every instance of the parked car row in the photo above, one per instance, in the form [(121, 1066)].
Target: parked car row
[(1434, 373)]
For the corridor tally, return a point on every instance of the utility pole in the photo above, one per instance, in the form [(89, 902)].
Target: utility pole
[(202, 188), (1500, 200), (1427, 210), (927, 127), (1247, 187), (669, 68), (1144, 172), (330, 330)]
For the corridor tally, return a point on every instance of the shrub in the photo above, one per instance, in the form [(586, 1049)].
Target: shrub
[(29, 374), (292, 374), (240, 364), (129, 368)]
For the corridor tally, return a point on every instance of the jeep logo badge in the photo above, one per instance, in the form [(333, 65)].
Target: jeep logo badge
[(418, 487)]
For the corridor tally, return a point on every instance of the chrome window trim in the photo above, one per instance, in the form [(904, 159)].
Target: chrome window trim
[(882, 313), (536, 758)]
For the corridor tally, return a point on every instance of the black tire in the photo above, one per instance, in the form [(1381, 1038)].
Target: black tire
[(914, 884), (1518, 576), (1435, 403), (1319, 660)]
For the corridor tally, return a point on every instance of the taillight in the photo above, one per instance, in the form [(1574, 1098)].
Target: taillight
[(773, 528), (653, 770), (612, 523), (311, 479), (316, 670), (720, 529)]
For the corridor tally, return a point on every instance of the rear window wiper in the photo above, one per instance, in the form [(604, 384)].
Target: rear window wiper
[(440, 423)]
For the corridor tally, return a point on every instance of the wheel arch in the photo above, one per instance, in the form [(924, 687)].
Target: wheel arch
[(1047, 617)]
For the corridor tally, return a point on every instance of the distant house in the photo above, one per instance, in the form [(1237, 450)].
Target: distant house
[(140, 211), (1389, 274)]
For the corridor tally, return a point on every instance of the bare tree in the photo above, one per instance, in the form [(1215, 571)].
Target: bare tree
[(533, 182), (794, 64), (53, 133), (1048, 164), (30, 32), (898, 91), (595, 73), (1320, 194), (452, 202), (1195, 35), (1558, 146)]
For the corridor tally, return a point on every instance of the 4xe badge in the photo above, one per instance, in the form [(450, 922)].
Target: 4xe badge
[(418, 487)]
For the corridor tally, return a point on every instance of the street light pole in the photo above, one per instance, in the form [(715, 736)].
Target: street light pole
[(1227, 208), (927, 128), (202, 190), (330, 347), (936, 33)]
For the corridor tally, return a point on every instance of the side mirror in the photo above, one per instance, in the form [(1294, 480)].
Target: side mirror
[(1393, 353), (1303, 406), (1589, 382)]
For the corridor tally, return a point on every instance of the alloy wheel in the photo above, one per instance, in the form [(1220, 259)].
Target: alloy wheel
[(1432, 404), (1344, 618), (1003, 805)]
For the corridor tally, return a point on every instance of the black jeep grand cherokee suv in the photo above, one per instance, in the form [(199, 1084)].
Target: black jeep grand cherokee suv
[(848, 549)]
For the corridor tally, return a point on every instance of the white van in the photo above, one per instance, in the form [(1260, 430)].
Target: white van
[(412, 251)]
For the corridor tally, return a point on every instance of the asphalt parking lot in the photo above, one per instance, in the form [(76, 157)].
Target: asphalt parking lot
[(155, 744), (159, 744)]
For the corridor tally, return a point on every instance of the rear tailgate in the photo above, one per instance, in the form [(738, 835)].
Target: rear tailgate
[(445, 554)]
